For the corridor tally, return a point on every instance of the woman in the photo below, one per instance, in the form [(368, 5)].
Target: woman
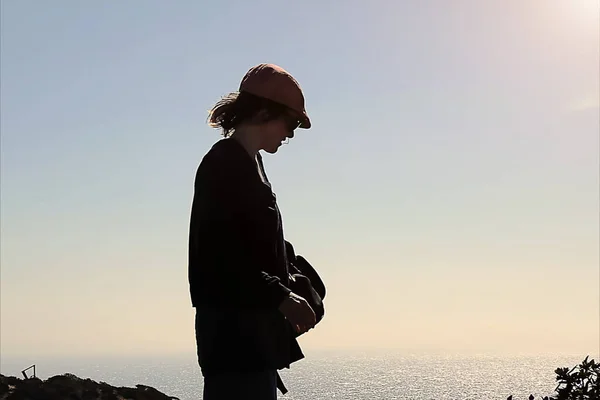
[(238, 272)]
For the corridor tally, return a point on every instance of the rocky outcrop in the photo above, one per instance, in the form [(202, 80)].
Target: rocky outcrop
[(68, 386)]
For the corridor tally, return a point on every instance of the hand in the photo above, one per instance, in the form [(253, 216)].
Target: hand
[(300, 314)]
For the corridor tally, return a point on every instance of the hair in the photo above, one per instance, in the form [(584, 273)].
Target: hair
[(238, 107)]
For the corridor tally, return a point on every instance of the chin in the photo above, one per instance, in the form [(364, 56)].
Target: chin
[(272, 150)]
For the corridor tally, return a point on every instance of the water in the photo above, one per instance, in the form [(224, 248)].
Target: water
[(341, 375)]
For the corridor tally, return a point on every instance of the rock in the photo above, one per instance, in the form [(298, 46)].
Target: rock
[(70, 387)]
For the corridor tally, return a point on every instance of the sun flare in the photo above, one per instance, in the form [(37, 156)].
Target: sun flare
[(588, 7)]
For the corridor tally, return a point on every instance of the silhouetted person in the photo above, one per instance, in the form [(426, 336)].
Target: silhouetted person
[(238, 272)]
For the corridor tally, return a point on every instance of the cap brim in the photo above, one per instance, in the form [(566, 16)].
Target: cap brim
[(305, 122)]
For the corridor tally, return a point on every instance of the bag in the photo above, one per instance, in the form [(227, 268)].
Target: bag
[(306, 282)]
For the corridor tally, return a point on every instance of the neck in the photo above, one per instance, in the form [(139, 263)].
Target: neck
[(248, 139)]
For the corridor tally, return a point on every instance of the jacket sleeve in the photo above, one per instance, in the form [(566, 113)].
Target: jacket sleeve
[(232, 229)]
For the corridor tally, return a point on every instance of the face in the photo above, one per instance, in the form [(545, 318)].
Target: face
[(275, 132)]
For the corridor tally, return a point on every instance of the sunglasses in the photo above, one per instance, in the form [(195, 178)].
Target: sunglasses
[(292, 124)]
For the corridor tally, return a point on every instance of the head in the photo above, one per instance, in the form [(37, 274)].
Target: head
[(266, 110)]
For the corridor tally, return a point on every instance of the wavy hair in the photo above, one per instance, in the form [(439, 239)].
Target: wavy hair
[(238, 107)]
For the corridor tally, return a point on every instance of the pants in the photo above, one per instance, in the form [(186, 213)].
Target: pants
[(248, 386), (259, 385)]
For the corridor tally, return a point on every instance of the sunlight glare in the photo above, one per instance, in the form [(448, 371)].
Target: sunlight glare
[(590, 8), (582, 13)]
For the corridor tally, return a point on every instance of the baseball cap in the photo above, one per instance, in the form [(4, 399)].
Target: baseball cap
[(272, 82)]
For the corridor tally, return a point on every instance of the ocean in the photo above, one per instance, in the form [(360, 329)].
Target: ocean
[(369, 375)]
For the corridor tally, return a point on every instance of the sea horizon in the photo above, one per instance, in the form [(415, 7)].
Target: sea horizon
[(332, 373)]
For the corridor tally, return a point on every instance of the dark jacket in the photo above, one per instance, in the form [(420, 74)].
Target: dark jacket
[(238, 272)]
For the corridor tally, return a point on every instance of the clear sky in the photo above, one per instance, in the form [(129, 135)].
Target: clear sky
[(448, 191)]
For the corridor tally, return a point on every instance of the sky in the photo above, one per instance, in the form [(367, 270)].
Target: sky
[(448, 192)]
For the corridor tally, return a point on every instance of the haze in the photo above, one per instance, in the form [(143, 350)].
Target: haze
[(448, 192)]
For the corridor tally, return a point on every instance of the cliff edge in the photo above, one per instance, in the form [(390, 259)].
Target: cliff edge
[(69, 386)]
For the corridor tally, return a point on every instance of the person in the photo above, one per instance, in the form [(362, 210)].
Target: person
[(246, 313)]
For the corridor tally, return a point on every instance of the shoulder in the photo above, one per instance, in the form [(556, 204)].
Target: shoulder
[(225, 151), (226, 161)]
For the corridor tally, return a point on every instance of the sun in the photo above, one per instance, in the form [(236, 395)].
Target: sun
[(591, 6), (585, 11)]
